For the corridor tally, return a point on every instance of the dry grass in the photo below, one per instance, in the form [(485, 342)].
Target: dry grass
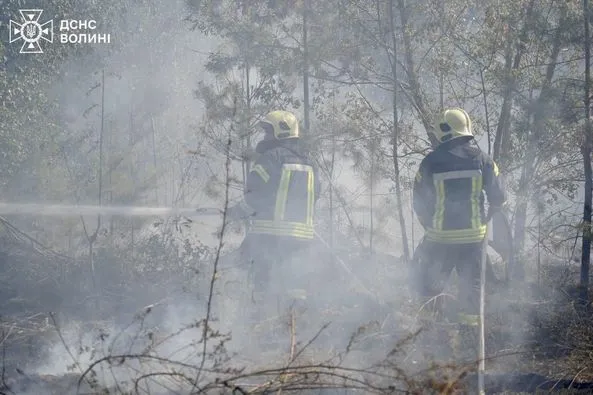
[(377, 357)]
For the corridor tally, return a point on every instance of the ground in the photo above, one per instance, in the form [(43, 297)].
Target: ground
[(365, 301)]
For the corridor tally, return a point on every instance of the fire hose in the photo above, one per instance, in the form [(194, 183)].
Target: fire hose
[(484, 262), (482, 320)]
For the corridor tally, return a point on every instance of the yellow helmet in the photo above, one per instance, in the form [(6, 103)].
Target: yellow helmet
[(452, 123), (280, 125)]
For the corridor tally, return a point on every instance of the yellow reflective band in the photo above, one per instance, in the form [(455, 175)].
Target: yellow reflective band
[(282, 195), (310, 197), (476, 219), (456, 236), (282, 225), (283, 232), (296, 166), (456, 174), (495, 167), (439, 213), (259, 169), (479, 188), (283, 228)]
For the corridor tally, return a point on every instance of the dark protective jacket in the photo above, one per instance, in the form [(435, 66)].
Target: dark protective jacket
[(282, 188), (449, 192)]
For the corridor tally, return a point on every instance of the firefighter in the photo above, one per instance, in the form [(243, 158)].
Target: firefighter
[(281, 191), (449, 202)]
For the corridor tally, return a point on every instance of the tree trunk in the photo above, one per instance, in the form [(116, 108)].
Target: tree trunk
[(396, 170), (586, 151), (502, 138), (246, 165), (306, 104), (154, 160), (92, 238), (331, 195), (372, 184), (486, 113), (415, 89), (538, 111), (505, 110), (110, 171)]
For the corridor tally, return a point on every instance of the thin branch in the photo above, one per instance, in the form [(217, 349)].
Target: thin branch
[(216, 262)]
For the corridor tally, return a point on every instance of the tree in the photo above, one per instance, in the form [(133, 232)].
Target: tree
[(586, 150)]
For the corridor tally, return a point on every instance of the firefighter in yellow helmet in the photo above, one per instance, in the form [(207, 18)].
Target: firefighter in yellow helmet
[(450, 188), (281, 191)]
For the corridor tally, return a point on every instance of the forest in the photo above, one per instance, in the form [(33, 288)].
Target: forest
[(165, 115)]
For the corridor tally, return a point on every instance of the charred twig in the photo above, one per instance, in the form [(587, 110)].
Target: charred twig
[(218, 254)]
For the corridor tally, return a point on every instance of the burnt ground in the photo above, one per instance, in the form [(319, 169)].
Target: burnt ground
[(540, 343)]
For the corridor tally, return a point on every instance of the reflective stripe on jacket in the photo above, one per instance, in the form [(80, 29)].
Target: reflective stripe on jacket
[(282, 188)]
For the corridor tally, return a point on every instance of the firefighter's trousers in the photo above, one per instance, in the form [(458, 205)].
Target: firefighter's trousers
[(435, 264), (271, 262)]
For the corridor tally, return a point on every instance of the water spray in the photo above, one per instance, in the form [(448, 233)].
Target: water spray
[(61, 210)]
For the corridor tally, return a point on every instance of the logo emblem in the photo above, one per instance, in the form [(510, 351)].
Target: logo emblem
[(31, 31)]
